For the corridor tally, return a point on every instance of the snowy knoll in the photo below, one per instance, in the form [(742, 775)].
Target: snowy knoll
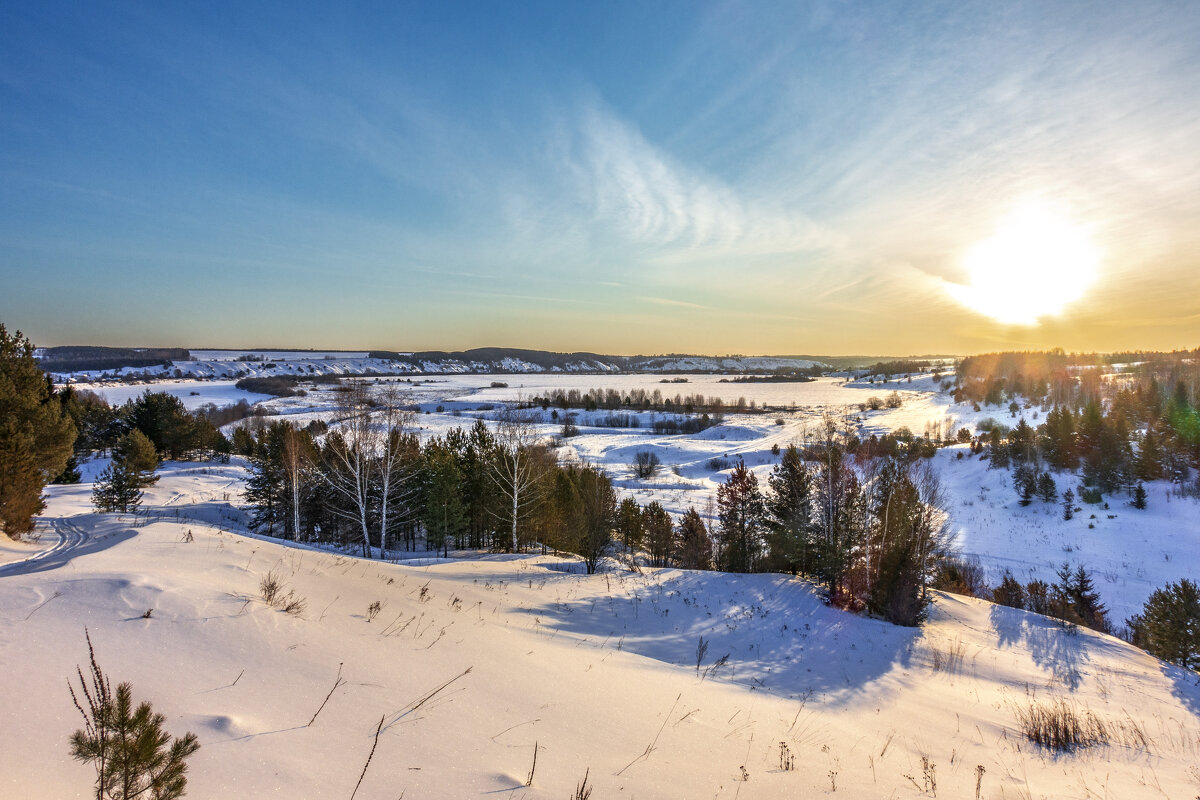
[(668, 684)]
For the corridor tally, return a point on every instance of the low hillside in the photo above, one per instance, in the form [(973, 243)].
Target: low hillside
[(660, 684)]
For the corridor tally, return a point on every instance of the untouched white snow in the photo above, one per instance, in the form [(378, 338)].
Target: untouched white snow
[(598, 673), (193, 393)]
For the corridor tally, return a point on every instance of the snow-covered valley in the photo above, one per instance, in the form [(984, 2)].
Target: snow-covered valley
[(655, 683), (474, 663)]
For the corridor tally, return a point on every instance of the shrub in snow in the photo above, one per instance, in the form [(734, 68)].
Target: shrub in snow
[(133, 756), (645, 464)]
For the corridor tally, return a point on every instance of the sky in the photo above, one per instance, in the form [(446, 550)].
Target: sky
[(619, 177)]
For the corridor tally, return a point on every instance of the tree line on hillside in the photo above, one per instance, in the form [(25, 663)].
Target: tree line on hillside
[(370, 483), (638, 399), (1139, 435), (74, 358), (1055, 378), (871, 530)]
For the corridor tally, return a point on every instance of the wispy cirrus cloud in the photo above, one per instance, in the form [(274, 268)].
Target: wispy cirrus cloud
[(635, 191)]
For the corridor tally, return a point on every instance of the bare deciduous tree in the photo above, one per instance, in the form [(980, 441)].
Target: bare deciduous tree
[(350, 450), (398, 454), (297, 462), (518, 466)]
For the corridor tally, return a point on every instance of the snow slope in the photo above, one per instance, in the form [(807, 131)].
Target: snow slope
[(472, 664)]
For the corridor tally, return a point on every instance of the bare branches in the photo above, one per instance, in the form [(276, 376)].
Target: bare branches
[(370, 755), (336, 683)]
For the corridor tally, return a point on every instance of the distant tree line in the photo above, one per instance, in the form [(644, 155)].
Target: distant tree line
[(74, 358), (639, 399)]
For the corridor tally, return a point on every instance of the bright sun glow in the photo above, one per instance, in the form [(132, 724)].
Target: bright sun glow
[(1036, 263)]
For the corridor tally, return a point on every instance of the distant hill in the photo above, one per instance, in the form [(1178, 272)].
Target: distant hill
[(95, 362)]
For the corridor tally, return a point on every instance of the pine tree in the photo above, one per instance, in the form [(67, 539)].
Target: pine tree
[(1169, 625), (36, 436), (135, 452), (166, 423), (693, 543), (629, 524), (1068, 504), (659, 534), (118, 489), (134, 756)]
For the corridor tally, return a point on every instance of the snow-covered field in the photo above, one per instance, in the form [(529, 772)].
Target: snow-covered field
[(193, 393), (473, 664), (1130, 552)]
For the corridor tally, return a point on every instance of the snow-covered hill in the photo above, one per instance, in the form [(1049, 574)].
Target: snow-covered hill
[(227, 364), (474, 664)]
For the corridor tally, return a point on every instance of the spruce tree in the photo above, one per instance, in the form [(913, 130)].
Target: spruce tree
[(1068, 504), (1046, 488), (444, 513), (790, 513), (1139, 497), (742, 513), (1025, 483), (1010, 592)]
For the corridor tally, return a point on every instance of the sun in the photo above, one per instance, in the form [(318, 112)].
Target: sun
[(1036, 263)]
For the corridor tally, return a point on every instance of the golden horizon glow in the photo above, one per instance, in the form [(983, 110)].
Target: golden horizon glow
[(1037, 262)]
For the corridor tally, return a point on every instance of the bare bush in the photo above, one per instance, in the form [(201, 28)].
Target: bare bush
[(947, 659), (271, 588), (645, 464), (293, 604), (1061, 726)]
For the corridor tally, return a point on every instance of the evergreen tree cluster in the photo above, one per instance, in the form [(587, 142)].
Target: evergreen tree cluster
[(871, 531), (1116, 434), (1072, 598), (1169, 625)]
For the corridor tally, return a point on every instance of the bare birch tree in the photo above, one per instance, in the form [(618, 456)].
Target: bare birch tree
[(297, 462), (398, 454), (350, 450), (517, 466)]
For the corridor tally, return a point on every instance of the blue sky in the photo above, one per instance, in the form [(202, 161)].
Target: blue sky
[(617, 177)]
